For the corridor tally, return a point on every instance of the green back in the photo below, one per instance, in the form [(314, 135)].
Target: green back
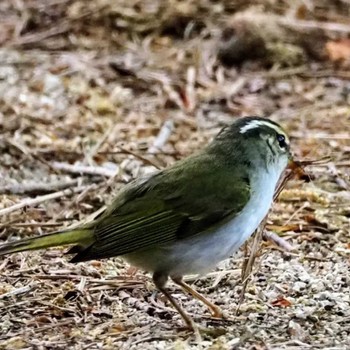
[(186, 199)]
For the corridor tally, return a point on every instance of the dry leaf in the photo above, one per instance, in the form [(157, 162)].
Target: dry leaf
[(284, 228), (338, 50), (281, 302), (117, 328)]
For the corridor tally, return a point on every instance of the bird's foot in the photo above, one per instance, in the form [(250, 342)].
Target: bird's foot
[(216, 312), (199, 331)]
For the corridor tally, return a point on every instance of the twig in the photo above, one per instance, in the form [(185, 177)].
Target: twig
[(32, 188), (138, 156), (27, 152), (321, 135), (81, 285), (295, 213), (39, 329), (218, 279), (84, 169), (338, 180), (31, 224), (89, 218), (271, 236), (17, 291), (302, 24), (190, 89), (61, 28), (172, 154), (235, 87), (173, 95), (281, 73), (40, 199), (94, 150), (295, 167), (57, 29), (162, 137), (193, 278), (248, 264)]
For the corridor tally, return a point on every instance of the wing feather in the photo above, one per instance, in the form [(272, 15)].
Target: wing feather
[(163, 209)]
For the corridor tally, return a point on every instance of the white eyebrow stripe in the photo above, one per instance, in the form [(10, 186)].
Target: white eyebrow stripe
[(256, 123)]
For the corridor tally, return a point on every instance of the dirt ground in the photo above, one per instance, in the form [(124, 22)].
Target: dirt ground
[(93, 94)]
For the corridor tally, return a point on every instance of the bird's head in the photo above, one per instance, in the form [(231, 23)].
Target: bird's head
[(256, 142)]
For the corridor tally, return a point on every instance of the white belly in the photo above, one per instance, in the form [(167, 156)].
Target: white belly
[(204, 251)]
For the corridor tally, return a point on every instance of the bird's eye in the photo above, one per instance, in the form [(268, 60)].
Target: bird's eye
[(281, 140)]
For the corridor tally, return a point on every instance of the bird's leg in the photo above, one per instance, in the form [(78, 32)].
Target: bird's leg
[(214, 309), (160, 280)]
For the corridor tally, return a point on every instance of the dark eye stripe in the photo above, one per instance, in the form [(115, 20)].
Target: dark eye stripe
[(282, 140)]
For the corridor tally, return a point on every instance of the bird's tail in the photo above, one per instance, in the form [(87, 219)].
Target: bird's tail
[(82, 237)]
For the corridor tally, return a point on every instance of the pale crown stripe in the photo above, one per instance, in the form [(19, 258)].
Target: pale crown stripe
[(256, 123)]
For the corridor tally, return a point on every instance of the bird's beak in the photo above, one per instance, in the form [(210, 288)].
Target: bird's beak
[(297, 169), (292, 164)]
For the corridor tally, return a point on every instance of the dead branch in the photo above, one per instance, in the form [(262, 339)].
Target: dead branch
[(18, 291), (40, 199), (35, 188), (190, 90), (141, 158), (281, 242), (294, 168), (85, 169), (162, 137), (59, 28), (249, 263), (327, 26)]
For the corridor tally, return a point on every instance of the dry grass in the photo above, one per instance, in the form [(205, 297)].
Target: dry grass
[(87, 91)]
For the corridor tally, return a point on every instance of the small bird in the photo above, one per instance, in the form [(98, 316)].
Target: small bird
[(186, 218)]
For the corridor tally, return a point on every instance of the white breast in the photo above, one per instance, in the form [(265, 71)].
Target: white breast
[(203, 252)]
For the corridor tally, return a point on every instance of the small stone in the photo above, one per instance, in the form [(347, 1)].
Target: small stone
[(295, 330), (52, 83), (299, 286)]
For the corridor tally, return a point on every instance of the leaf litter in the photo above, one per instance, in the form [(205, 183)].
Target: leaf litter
[(94, 94)]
